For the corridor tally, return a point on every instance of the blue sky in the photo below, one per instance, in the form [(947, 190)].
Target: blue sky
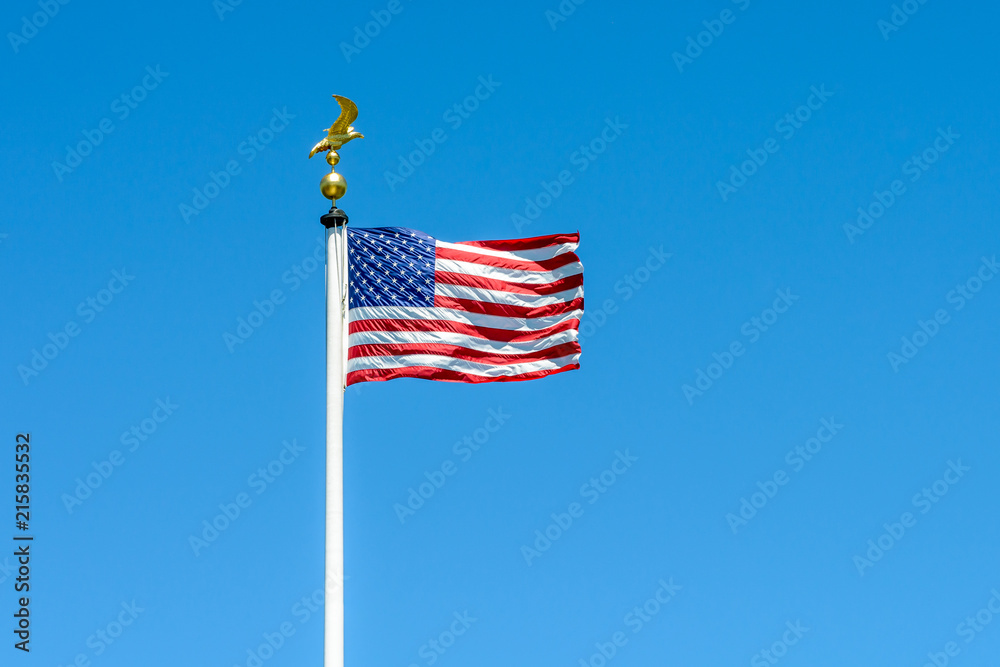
[(781, 446)]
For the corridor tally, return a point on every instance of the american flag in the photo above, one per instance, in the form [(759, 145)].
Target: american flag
[(473, 311)]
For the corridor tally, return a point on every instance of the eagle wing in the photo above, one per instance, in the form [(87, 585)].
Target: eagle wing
[(348, 114)]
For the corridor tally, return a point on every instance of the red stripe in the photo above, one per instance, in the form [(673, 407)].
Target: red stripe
[(468, 280), (459, 352), (506, 310), (525, 244), (426, 373), (503, 335), (506, 263)]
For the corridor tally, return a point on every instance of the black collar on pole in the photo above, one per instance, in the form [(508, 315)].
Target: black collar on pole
[(334, 218)]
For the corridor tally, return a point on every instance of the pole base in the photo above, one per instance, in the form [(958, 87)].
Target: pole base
[(334, 218)]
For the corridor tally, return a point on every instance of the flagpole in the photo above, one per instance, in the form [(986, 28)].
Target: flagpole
[(336, 363), (336, 285), (333, 186)]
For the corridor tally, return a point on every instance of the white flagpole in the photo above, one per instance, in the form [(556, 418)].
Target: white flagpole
[(336, 325), (333, 186)]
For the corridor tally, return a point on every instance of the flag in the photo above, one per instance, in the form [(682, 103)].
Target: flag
[(474, 311)]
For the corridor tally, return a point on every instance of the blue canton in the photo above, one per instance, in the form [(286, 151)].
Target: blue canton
[(390, 266)]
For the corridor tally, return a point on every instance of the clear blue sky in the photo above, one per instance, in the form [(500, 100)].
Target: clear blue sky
[(795, 576)]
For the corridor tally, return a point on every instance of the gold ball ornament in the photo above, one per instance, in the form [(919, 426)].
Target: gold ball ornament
[(332, 158), (333, 185)]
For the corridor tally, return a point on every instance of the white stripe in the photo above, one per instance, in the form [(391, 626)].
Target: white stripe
[(507, 298), (509, 275), (459, 365), (474, 319), (452, 338), (535, 255)]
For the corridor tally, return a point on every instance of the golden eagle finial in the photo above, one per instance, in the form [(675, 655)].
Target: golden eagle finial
[(341, 131)]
